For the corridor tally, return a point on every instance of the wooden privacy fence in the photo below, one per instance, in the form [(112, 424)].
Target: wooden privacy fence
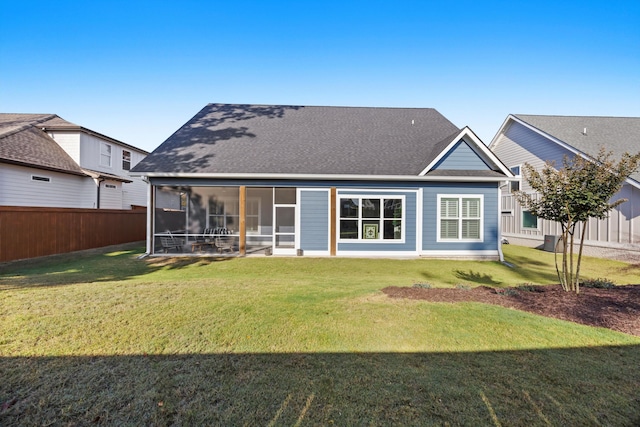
[(28, 232)]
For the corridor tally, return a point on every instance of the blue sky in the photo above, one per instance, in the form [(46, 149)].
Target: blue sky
[(138, 70)]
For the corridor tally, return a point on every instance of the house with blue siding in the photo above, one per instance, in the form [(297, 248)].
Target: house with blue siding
[(324, 181)]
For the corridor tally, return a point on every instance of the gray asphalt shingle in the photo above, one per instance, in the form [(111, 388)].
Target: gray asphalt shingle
[(277, 139), (23, 142), (616, 134)]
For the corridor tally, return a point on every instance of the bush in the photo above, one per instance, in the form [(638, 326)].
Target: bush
[(463, 287), (598, 283), (507, 292), (422, 285)]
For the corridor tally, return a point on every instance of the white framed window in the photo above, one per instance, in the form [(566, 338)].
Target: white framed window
[(371, 219), (40, 178), (460, 217), (224, 213), (126, 160), (252, 216), (105, 154), (529, 220), (515, 185)]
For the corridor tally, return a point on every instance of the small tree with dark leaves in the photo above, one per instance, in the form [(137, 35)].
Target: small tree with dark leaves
[(581, 189)]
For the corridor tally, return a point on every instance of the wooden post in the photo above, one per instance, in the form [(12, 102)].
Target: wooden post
[(333, 228), (243, 221)]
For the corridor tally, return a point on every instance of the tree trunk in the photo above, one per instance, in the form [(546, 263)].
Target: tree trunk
[(584, 229)]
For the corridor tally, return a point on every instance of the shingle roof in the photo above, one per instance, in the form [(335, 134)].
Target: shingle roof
[(110, 176), (23, 142), (270, 139), (616, 134)]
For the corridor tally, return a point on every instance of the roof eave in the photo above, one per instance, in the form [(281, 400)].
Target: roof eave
[(105, 176), (322, 177), (42, 167), (76, 128)]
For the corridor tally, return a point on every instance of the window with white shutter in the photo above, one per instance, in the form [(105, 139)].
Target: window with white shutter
[(460, 217)]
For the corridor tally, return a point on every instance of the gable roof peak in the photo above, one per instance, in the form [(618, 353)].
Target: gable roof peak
[(582, 135)]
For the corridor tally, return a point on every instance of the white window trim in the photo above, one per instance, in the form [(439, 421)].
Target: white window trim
[(522, 227), (226, 200), (103, 154), (459, 197), (380, 240), (123, 160), (519, 176), (259, 216)]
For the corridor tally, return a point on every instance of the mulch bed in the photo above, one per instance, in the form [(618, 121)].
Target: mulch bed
[(617, 308)]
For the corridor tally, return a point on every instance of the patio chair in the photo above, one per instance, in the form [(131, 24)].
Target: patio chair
[(171, 242), (205, 239), (224, 241)]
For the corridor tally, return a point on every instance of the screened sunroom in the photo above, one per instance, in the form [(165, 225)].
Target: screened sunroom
[(228, 220)]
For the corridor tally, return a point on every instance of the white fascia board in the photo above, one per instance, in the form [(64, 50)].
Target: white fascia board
[(562, 144), (435, 161), (494, 141), (479, 146), (485, 150), (301, 177)]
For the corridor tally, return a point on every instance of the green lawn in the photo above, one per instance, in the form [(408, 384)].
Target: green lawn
[(110, 339)]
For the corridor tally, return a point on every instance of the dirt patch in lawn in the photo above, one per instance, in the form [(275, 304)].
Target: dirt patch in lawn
[(617, 308)]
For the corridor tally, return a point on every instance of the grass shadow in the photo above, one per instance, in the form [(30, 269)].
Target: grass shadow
[(477, 277), (94, 266), (574, 386)]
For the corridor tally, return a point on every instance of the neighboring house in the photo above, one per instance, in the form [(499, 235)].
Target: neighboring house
[(47, 161), (536, 139), (325, 181)]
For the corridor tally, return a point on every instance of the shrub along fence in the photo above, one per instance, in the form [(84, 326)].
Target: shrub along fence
[(29, 232)]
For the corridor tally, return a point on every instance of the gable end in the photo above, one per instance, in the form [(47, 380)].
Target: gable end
[(462, 157)]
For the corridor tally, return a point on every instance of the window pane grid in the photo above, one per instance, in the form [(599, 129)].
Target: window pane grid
[(371, 218)]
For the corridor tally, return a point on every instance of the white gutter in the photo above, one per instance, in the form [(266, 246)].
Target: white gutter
[(324, 177)]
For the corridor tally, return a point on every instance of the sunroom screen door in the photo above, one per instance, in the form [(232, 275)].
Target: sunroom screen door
[(285, 230)]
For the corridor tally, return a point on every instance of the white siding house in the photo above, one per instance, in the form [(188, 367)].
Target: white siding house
[(47, 161), (537, 139), (26, 186)]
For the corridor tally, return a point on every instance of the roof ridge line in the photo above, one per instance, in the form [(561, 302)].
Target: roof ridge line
[(322, 106), (28, 125)]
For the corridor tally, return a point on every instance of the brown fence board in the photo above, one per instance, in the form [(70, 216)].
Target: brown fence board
[(29, 232)]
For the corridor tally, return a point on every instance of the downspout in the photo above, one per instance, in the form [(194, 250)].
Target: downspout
[(150, 210), (100, 180), (500, 187)]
